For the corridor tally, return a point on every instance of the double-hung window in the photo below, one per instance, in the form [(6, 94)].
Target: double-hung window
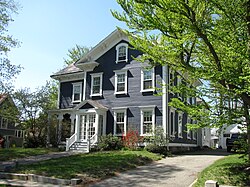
[(121, 82), (122, 52), (178, 86), (77, 92), (180, 117), (96, 84), (120, 121), (172, 122), (147, 120), (147, 80)]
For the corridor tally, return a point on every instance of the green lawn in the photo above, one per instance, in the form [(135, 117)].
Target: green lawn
[(228, 171), (14, 153), (90, 167)]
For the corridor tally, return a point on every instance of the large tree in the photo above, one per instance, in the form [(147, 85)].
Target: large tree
[(209, 40), (7, 70), (76, 53), (33, 108)]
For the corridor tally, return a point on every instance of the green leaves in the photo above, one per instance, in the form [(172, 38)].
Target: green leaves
[(206, 40)]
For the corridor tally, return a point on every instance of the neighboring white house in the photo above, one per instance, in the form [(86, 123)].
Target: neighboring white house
[(227, 131)]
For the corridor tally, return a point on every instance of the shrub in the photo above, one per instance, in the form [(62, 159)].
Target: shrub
[(132, 140), (109, 142), (157, 149)]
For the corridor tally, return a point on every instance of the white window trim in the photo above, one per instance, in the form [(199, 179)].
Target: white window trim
[(188, 130), (153, 80), (172, 130), (180, 125), (73, 94), (147, 109), (179, 81), (125, 120), (117, 52), (126, 81), (93, 75), (193, 100)]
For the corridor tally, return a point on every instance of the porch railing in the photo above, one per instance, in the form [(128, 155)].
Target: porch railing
[(91, 141), (70, 141)]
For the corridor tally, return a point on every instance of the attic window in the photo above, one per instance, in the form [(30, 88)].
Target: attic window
[(122, 52)]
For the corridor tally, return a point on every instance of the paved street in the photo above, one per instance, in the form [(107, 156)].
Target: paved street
[(177, 171)]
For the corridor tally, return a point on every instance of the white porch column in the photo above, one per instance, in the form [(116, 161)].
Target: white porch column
[(77, 125), (96, 124), (59, 132), (48, 131), (72, 120)]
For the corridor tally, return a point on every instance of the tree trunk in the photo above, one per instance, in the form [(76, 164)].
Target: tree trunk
[(246, 114)]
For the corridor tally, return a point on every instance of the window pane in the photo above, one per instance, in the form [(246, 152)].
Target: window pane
[(119, 128), (96, 89), (122, 53), (147, 84), (96, 81), (147, 128), (120, 117), (147, 74), (120, 78), (120, 87), (77, 89), (76, 97)]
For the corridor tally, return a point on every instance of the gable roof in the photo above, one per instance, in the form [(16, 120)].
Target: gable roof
[(101, 48), (95, 105)]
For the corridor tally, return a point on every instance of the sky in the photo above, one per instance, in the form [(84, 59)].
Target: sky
[(47, 29)]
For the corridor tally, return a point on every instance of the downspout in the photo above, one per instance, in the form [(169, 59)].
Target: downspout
[(165, 99), (84, 85)]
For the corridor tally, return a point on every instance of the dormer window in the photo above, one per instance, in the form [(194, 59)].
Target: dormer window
[(122, 52), (77, 92)]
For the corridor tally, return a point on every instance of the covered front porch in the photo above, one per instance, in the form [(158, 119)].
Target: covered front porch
[(87, 123)]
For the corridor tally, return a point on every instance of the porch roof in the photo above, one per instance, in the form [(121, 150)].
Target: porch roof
[(95, 104)]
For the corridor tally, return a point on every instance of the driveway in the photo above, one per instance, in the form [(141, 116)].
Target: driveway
[(176, 171)]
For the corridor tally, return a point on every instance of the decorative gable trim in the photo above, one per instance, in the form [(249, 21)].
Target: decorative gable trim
[(102, 47)]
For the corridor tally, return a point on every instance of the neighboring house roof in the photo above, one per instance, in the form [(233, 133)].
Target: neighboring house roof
[(89, 58)]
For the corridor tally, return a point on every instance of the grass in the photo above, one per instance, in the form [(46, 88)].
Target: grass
[(228, 171), (90, 167), (14, 153)]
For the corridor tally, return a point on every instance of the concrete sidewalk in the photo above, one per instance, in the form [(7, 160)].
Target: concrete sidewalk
[(177, 171)]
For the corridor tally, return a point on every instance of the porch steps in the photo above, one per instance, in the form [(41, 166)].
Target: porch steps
[(79, 147)]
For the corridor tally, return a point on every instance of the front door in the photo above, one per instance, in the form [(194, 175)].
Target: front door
[(87, 126)]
